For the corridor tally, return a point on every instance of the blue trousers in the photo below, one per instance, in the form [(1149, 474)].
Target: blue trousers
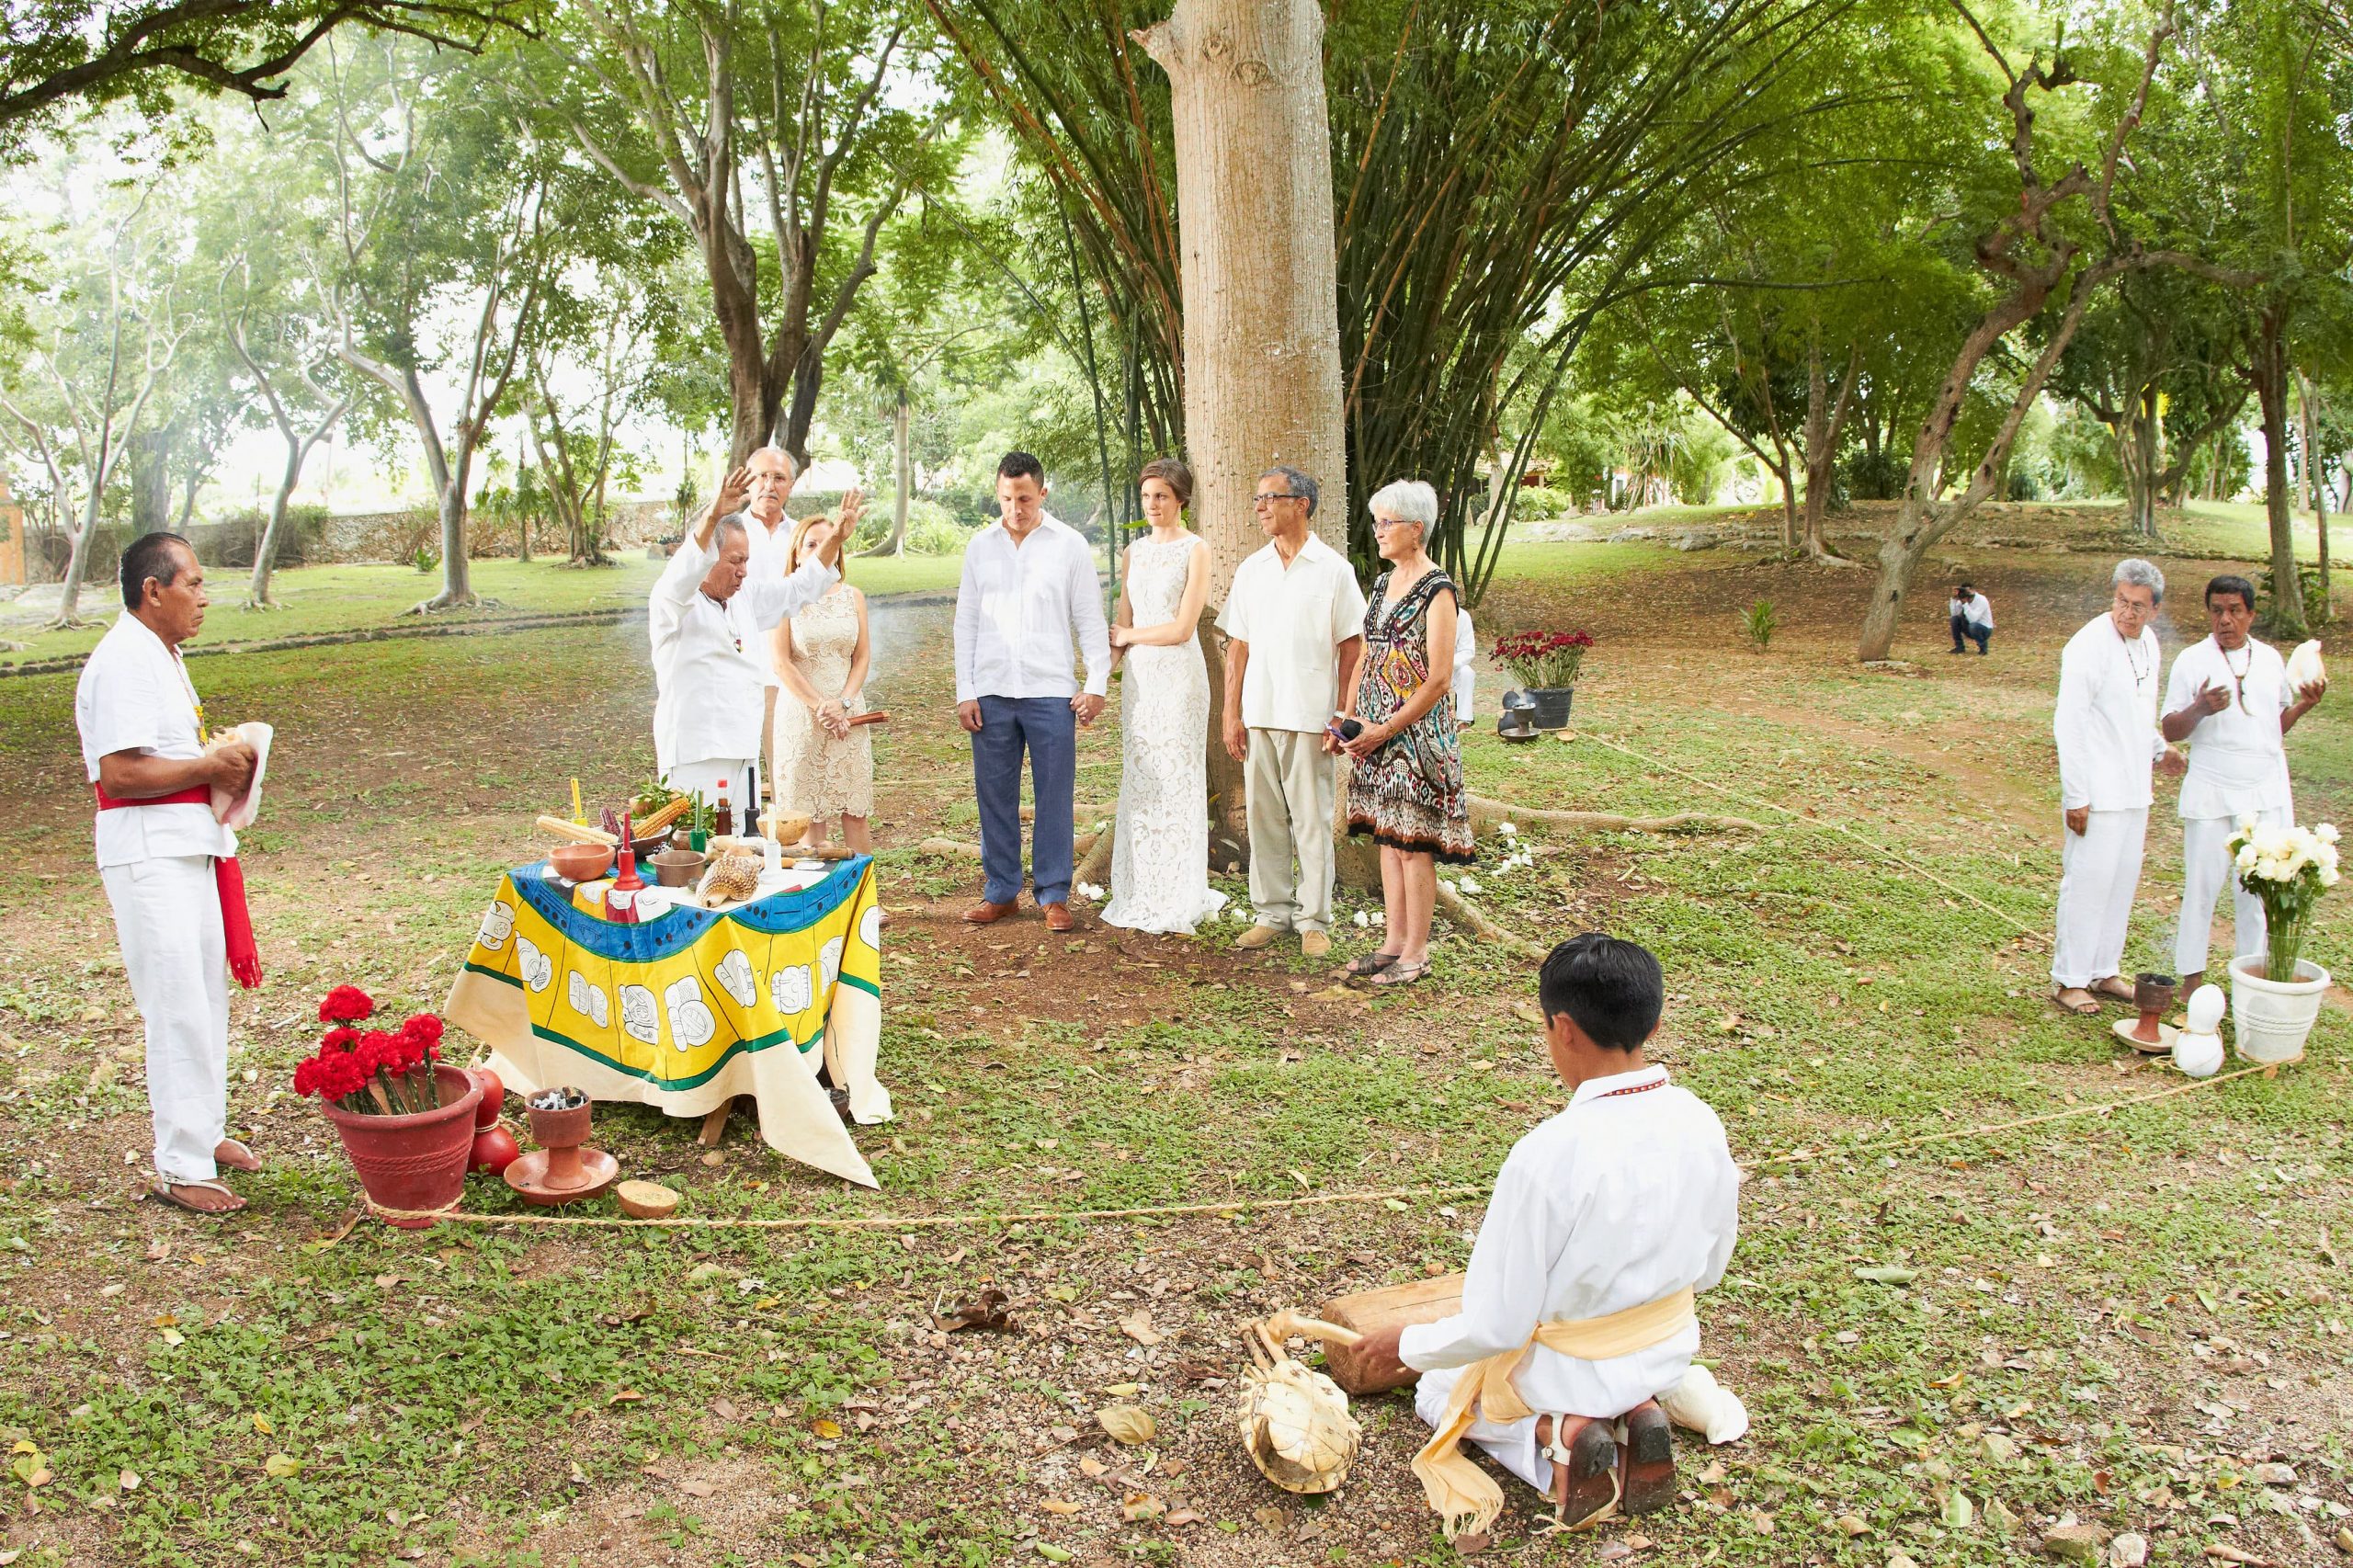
[(1048, 730)]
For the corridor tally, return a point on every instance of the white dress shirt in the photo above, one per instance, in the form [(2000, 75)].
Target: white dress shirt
[(1017, 609), (769, 547), (1621, 1199), (2105, 723), (708, 656), (2237, 762), (1975, 609), (135, 695), (1295, 617)]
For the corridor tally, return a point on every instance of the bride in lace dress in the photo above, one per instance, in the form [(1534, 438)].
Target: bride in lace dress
[(1160, 851)]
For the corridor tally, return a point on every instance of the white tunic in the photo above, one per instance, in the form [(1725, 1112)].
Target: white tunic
[(769, 547), (1466, 669), (708, 656), (1620, 1199), (1017, 608), (135, 695), (2105, 723), (1294, 618), (2237, 762)]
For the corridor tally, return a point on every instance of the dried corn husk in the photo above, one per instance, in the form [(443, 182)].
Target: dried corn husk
[(1294, 1421)]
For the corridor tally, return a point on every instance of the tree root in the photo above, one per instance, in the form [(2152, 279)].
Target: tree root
[(1095, 860), (1485, 814), (1468, 916)]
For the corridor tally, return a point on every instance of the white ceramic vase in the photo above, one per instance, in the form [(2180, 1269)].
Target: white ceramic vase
[(2271, 1018)]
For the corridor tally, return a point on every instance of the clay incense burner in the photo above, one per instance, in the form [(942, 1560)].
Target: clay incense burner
[(2152, 994), (562, 1169)]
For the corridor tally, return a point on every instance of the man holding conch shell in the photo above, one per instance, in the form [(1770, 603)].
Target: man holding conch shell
[(710, 656), (168, 859), (2231, 699), (1576, 1317)]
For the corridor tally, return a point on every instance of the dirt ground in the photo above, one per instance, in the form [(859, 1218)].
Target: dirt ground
[(2117, 1321)]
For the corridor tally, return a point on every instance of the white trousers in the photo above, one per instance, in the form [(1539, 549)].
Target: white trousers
[(1287, 790), (700, 780), (168, 918), (2206, 870), (2099, 872)]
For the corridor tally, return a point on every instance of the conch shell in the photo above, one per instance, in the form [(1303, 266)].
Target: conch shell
[(2304, 666), (731, 878), (1294, 1421)]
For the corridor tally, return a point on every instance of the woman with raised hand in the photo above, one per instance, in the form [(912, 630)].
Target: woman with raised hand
[(1407, 789), (1160, 851)]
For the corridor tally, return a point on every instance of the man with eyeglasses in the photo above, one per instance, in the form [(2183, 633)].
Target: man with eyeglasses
[(2105, 725), (2229, 697), (1295, 624)]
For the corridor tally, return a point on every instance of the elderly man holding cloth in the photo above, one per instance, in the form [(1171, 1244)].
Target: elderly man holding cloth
[(1029, 584), (710, 661), (2229, 697), (1294, 625), (168, 863), (2105, 725)]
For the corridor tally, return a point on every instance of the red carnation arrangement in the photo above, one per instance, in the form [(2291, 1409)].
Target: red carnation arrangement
[(1542, 660), (372, 1072)]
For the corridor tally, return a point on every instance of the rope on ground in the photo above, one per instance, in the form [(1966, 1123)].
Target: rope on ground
[(1486, 812), (2031, 933), (936, 1222), (1233, 1206)]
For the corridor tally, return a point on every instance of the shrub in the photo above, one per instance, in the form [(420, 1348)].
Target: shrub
[(1757, 622)]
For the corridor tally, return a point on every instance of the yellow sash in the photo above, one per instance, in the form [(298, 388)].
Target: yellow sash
[(1463, 1495)]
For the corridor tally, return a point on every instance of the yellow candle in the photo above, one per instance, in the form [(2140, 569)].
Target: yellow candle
[(576, 815)]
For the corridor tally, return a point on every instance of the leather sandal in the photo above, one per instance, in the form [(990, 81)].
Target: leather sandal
[(1366, 965), (170, 1192), (1584, 1475), (1646, 1460), (2082, 1009)]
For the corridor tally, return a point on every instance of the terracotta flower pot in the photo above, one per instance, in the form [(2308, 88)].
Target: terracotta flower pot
[(414, 1162)]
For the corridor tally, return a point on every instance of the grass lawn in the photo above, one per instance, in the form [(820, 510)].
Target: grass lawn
[(2131, 1319), (313, 599)]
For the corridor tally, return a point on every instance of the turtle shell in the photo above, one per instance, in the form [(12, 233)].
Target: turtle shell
[(1296, 1427)]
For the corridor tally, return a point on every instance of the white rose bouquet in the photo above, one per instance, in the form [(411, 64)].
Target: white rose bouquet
[(2287, 868)]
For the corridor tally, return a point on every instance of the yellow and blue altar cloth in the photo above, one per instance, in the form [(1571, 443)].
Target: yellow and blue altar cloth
[(688, 1010)]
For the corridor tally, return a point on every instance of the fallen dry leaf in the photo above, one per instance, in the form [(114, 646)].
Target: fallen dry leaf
[(826, 1429), (696, 1488), (1137, 1508), (1137, 1326), (1093, 1467), (1131, 1424), (1057, 1506), (985, 1310)]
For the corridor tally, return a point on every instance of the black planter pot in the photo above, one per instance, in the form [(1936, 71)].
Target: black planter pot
[(1547, 706)]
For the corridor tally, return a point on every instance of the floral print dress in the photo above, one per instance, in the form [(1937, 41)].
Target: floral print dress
[(1409, 794)]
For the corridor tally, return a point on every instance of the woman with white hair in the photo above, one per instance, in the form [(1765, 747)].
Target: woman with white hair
[(1406, 789)]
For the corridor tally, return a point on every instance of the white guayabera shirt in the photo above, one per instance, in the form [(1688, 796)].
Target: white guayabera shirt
[(2106, 722), (135, 695), (1294, 618), (708, 657), (2238, 764), (1015, 610), (1627, 1195)]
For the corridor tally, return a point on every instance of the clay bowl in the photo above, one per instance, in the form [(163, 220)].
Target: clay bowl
[(678, 868), (652, 845), (646, 1200), (560, 1129), (2153, 993), (581, 862), (787, 827)]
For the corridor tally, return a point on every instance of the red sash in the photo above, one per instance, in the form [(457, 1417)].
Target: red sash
[(236, 921)]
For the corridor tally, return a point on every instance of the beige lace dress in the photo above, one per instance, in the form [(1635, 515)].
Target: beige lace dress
[(815, 774)]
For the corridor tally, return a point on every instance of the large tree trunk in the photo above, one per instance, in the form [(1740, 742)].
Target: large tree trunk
[(77, 560), (1262, 324), (2287, 613), (2136, 451), (2316, 475), (150, 490)]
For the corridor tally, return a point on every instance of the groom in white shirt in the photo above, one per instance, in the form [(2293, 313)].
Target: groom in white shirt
[(1029, 584)]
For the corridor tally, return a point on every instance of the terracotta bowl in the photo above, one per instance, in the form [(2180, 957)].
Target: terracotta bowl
[(581, 862), (787, 827), (647, 847), (558, 1129), (678, 868), (646, 1200)]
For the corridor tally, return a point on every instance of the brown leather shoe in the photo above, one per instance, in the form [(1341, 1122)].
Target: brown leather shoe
[(987, 914), (1058, 916)]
